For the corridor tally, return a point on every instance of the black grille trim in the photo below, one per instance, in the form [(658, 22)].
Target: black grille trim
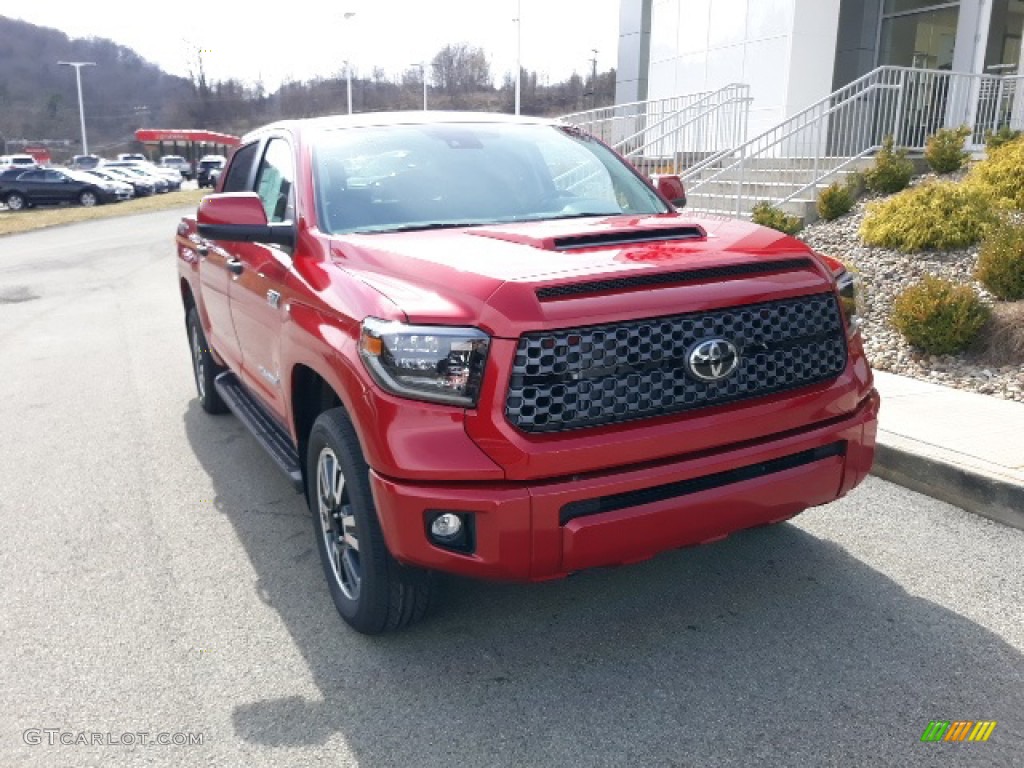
[(680, 488), (625, 237), (595, 375), (670, 278)]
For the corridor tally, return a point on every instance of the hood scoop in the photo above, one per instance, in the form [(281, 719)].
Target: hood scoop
[(561, 235), (627, 237), (664, 279)]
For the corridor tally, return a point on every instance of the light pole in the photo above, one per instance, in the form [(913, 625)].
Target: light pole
[(519, 50), (81, 109), (423, 76), (348, 68)]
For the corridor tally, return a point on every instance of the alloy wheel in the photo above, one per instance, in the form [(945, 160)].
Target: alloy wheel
[(338, 524)]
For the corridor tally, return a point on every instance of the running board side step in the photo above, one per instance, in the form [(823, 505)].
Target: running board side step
[(268, 433)]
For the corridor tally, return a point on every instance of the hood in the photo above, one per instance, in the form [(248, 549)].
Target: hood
[(515, 277)]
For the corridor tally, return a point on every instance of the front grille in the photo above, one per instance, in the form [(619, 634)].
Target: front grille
[(585, 377)]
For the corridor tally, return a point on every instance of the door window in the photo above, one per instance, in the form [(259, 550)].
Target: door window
[(274, 181), (241, 165)]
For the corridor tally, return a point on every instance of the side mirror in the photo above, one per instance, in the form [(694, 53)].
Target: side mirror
[(671, 187), (239, 217)]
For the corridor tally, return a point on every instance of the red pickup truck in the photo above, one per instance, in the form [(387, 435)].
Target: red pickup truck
[(486, 345)]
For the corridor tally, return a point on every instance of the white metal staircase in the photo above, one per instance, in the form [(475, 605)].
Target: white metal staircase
[(702, 136)]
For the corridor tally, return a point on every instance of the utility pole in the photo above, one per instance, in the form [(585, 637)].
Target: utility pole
[(348, 68), (423, 76), (593, 80), (81, 109), (519, 51)]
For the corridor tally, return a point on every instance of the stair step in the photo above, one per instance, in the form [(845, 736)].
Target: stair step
[(274, 439)]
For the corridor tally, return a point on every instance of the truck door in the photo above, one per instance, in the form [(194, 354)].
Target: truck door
[(260, 293), (214, 268)]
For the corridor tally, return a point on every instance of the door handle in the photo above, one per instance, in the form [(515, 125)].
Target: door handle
[(234, 266)]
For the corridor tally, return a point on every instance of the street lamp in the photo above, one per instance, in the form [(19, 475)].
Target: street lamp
[(348, 69), (423, 76), (81, 109), (519, 49)]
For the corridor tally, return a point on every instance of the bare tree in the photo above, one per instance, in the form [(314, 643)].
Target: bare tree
[(459, 69)]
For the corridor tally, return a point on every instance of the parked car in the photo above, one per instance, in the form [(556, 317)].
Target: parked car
[(486, 345), (134, 156), (85, 162), (142, 186), (210, 167), (17, 161), (179, 163), (50, 186), (122, 185), (163, 181)]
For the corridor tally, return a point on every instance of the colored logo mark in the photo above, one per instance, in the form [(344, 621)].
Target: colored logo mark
[(958, 730)]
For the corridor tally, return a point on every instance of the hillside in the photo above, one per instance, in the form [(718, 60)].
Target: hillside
[(38, 99)]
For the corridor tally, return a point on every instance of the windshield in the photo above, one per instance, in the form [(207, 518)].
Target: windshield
[(386, 179)]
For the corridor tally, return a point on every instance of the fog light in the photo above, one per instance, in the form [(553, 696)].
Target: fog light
[(446, 527)]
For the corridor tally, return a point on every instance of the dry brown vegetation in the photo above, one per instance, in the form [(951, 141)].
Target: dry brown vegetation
[(40, 218)]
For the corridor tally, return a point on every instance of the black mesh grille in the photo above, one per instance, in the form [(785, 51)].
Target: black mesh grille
[(584, 377)]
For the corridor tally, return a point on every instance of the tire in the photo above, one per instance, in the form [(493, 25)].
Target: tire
[(371, 590), (88, 198), (204, 368), (16, 201)]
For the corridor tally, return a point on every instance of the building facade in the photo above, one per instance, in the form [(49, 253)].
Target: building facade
[(793, 53)]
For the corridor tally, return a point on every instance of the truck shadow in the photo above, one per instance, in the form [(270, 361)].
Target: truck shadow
[(728, 654)]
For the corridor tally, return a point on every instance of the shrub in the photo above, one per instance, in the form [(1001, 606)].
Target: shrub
[(1001, 262), (767, 215), (996, 139), (938, 316), (999, 174), (1001, 341), (834, 201), (944, 150), (891, 171), (939, 215)]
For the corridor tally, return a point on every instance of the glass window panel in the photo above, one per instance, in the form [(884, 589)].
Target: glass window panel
[(921, 40)]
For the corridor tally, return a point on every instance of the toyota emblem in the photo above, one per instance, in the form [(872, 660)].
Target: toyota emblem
[(713, 360)]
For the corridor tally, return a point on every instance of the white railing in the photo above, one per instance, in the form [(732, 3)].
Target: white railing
[(790, 161), (671, 133)]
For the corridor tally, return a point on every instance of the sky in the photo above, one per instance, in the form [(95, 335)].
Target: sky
[(302, 39)]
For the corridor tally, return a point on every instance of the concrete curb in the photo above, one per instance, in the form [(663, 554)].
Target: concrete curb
[(991, 497)]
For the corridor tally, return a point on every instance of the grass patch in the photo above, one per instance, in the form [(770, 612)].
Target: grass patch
[(51, 216)]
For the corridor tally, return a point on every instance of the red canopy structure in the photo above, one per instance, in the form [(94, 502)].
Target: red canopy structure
[(192, 144)]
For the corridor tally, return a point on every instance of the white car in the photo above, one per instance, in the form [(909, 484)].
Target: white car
[(17, 161)]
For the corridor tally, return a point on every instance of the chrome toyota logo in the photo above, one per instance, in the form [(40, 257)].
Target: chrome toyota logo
[(713, 360)]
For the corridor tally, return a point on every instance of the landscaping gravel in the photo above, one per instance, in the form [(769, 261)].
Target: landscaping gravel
[(885, 273)]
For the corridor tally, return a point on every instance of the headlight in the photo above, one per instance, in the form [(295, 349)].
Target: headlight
[(850, 299), (425, 362)]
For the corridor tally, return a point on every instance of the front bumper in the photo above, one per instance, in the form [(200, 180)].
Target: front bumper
[(547, 529)]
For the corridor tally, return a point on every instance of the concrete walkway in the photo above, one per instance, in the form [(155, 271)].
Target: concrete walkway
[(961, 447)]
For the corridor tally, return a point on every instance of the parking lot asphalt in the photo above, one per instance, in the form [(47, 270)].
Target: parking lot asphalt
[(158, 576)]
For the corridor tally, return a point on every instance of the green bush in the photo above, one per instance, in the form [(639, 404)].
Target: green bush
[(996, 139), (944, 150), (1001, 262), (834, 201), (938, 316), (767, 215), (891, 171), (1000, 174), (939, 215)]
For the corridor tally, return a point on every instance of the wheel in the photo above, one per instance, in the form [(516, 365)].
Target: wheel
[(88, 198), (204, 367), (371, 590), (16, 201)]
